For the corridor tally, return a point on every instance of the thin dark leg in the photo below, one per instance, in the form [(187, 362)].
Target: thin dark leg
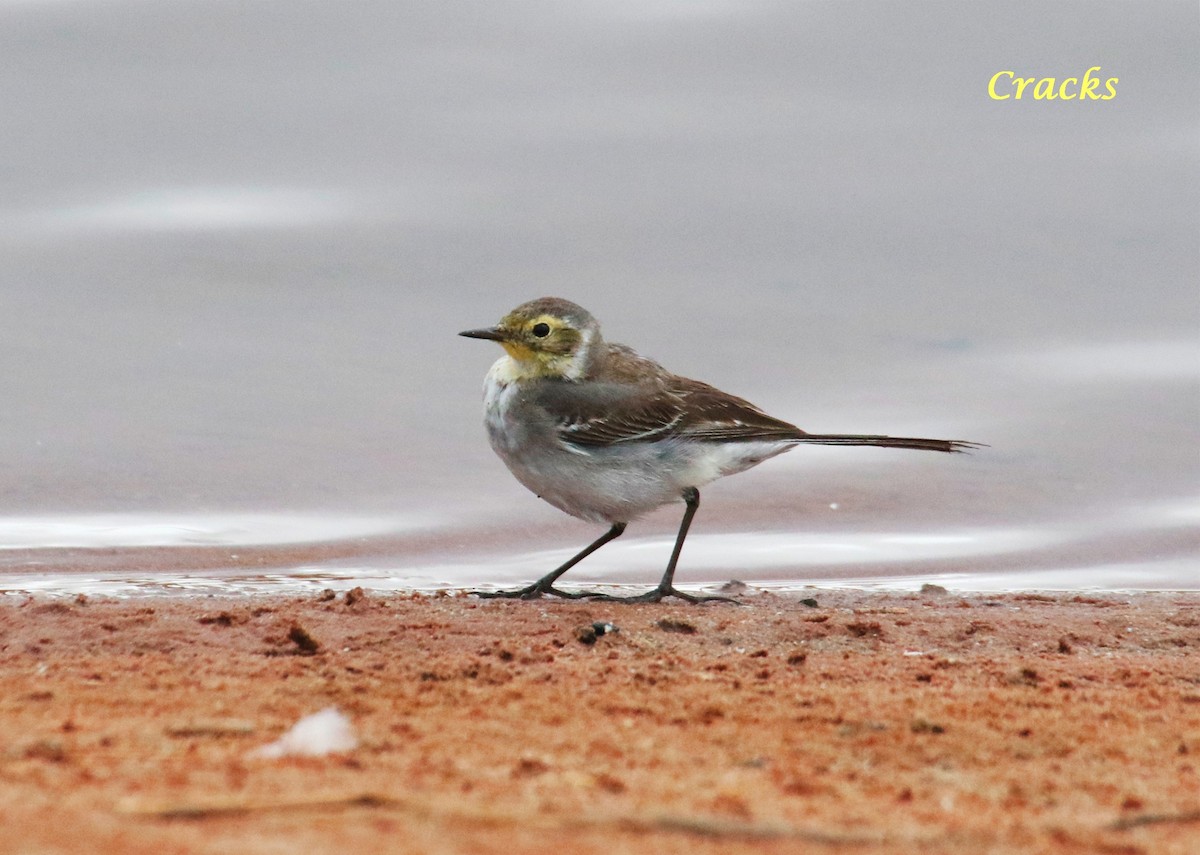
[(545, 585), (692, 497), (666, 587)]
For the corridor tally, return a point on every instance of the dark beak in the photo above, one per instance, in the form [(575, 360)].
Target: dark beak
[(491, 334)]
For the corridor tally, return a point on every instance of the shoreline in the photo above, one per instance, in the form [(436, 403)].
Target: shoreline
[(384, 582), (883, 721)]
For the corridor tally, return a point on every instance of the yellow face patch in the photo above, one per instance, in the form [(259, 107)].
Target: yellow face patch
[(543, 346), (517, 350)]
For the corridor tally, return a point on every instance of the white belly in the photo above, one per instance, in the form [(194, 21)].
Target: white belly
[(611, 484)]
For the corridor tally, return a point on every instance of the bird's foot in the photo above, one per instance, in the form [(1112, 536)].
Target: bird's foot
[(659, 594), (534, 592)]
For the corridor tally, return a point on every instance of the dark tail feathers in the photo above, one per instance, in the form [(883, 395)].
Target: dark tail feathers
[(949, 445)]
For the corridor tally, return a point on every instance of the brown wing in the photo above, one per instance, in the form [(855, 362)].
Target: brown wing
[(721, 417), (666, 406)]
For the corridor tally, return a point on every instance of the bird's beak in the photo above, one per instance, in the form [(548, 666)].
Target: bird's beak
[(491, 334)]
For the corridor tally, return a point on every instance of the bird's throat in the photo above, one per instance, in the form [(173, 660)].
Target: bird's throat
[(527, 363), (518, 351)]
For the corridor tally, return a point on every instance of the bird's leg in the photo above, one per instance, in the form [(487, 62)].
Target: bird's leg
[(666, 588), (545, 585)]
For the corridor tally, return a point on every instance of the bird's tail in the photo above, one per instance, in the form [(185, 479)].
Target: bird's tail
[(948, 445)]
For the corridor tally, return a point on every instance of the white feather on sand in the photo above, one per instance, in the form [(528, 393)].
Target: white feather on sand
[(324, 732)]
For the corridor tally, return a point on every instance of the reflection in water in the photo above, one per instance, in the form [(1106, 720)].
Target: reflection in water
[(110, 531), (1129, 361), (200, 209)]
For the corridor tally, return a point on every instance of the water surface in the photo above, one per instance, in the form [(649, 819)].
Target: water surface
[(237, 241)]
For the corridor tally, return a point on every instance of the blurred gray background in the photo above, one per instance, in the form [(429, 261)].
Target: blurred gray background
[(237, 240)]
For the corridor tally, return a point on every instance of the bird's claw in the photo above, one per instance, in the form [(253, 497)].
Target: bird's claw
[(534, 592), (656, 595)]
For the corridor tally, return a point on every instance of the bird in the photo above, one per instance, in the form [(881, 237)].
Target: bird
[(607, 435)]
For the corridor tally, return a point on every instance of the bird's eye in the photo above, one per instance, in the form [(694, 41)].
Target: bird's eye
[(541, 330)]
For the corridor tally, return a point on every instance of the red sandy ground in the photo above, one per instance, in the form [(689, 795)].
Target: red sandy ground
[(873, 723)]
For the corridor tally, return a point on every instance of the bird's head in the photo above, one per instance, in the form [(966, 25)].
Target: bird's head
[(549, 337)]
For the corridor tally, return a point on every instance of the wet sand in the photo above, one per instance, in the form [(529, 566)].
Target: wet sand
[(868, 722)]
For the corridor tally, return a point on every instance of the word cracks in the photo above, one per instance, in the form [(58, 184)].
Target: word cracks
[(1006, 84)]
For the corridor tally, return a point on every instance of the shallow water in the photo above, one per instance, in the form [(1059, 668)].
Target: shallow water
[(231, 278)]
